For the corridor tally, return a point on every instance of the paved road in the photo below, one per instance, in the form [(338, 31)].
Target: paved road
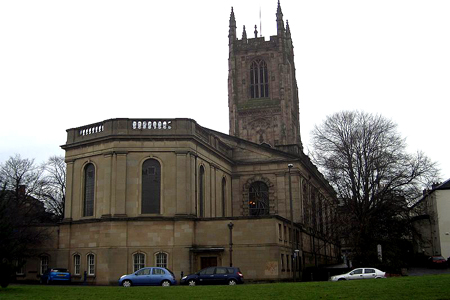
[(427, 271)]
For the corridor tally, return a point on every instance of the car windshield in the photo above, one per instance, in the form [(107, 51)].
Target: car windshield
[(438, 258), (59, 270)]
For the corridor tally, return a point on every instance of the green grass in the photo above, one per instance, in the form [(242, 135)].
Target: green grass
[(425, 287)]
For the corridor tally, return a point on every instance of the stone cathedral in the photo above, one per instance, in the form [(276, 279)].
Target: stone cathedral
[(171, 193)]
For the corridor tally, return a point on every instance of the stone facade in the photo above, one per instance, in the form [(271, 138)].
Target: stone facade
[(215, 199), (270, 114)]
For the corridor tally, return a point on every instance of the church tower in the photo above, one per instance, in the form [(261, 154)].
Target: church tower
[(262, 88)]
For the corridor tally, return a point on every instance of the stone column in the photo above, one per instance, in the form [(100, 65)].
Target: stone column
[(69, 191), (121, 184), (107, 185), (182, 194)]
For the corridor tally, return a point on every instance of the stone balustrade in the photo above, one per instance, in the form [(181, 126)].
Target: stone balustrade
[(143, 128)]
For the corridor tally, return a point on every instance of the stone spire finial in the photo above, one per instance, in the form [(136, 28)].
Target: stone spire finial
[(256, 31), (280, 23), (288, 30), (232, 31), (244, 34)]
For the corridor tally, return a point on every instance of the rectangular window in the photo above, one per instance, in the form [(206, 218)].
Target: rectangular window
[(161, 260), (285, 234), (44, 264), (91, 264), (290, 238), (282, 263), (287, 263), (76, 264), (280, 233), (20, 265), (138, 261)]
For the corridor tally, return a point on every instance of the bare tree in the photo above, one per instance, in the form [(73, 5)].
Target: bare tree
[(364, 158), (21, 214), (18, 172), (53, 189)]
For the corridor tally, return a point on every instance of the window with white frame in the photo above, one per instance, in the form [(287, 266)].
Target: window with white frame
[(20, 266), (138, 261), (161, 260), (91, 264), (76, 264), (43, 264)]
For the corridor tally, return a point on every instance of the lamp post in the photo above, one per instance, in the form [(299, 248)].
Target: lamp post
[(292, 225), (230, 226)]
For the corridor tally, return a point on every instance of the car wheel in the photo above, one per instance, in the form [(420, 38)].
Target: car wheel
[(126, 283), (165, 283), (232, 282), (341, 279), (192, 282)]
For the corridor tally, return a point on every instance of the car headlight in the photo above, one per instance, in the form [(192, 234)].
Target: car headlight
[(122, 276), (183, 278)]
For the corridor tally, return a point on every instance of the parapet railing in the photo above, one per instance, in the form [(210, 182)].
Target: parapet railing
[(141, 128)]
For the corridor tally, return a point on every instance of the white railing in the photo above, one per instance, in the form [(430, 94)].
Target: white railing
[(91, 129), (164, 125)]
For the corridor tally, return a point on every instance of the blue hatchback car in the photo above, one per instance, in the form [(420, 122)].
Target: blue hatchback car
[(149, 276), (55, 275)]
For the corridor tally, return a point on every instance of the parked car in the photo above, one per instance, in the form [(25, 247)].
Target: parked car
[(55, 275), (214, 275), (437, 262), (360, 273), (149, 276)]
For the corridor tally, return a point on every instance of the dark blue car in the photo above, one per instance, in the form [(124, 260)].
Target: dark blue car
[(149, 276), (55, 275), (214, 275)]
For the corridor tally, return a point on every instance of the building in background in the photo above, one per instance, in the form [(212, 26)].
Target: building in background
[(432, 222)]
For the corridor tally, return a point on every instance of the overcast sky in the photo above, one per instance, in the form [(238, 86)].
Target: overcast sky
[(65, 64)]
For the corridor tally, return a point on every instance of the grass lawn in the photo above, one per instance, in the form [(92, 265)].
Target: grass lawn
[(424, 287)]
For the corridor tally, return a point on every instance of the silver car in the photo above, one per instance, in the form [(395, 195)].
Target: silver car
[(360, 273)]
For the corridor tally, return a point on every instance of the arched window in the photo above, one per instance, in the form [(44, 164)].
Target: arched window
[(224, 190), (76, 264), (138, 261), (161, 259), (258, 199), (201, 190), (151, 186), (259, 79), (91, 264), (43, 264), (89, 190)]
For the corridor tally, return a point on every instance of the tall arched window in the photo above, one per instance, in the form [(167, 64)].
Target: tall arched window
[(201, 191), (224, 190), (151, 186), (43, 264), (90, 264), (161, 259), (259, 79), (89, 190), (138, 261), (77, 264), (258, 199)]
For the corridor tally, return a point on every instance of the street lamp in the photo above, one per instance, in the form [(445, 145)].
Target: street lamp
[(290, 166), (230, 226)]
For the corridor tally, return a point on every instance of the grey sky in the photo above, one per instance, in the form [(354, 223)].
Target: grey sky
[(65, 64)]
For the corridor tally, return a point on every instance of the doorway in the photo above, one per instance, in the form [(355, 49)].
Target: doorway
[(208, 261)]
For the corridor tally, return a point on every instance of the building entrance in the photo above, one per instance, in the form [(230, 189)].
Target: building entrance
[(209, 261)]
